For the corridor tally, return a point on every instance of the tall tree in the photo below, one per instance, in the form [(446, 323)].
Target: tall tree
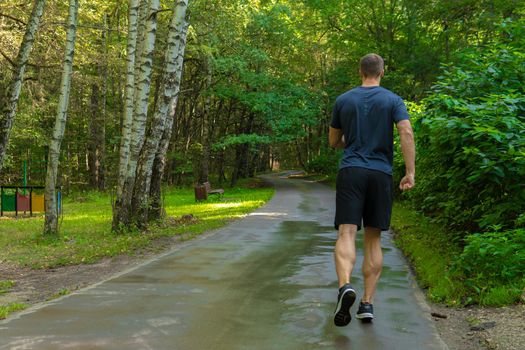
[(122, 212), (9, 102), (171, 77), (51, 222), (127, 119)]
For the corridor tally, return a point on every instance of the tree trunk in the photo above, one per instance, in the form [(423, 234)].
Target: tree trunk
[(125, 140), (97, 138), (299, 155), (122, 212), (103, 71), (236, 169), (222, 155), (94, 132), (167, 104), (242, 156), (51, 222), (9, 102), (156, 210), (206, 135)]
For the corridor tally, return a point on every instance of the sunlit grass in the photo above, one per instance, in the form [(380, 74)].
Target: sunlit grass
[(9, 308), (5, 286), (85, 227)]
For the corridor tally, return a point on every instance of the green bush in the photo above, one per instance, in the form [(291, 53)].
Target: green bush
[(471, 139), (325, 163), (492, 266), (470, 135)]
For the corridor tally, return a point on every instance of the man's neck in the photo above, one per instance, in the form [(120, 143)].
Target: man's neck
[(367, 82)]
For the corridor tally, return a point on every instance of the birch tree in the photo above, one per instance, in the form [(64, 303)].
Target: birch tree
[(171, 79), (9, 102), (51, 222), (122, 210), (129, 92), (156, 211)]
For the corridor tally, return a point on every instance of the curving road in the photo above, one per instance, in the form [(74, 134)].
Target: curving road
[(264, 282)]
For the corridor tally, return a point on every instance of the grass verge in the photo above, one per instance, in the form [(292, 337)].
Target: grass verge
[(12, 307), (430, 250), (457, 275), (5, 286), (85, 229)]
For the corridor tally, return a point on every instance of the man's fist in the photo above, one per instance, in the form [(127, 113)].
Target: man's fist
[(407, 182)]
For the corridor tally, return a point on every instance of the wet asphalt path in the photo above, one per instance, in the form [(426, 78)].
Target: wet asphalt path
[(264, 282)]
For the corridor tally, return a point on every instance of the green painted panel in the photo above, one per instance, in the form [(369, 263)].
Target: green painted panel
[(8, 202)]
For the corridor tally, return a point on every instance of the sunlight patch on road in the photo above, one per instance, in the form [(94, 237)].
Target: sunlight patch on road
[(267, 214)]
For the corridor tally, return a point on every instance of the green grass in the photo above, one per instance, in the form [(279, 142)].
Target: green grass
[(5, 286), (431, 251), (501, 295), (12, 307), (85, 228)]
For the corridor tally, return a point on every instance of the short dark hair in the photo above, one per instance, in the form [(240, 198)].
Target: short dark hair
[(371, 65)]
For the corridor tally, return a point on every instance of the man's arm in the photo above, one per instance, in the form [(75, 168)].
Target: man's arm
[(336, 139), (408, 148)]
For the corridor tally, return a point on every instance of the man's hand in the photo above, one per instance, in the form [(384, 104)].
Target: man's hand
[(407, 182), (408, 147)]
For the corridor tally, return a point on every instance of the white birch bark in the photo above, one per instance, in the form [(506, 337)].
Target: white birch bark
[(156, 211), (51, 222), (130, 90), (9, 103), (122, 214), (171, 79), (143, 12), (143, 84)]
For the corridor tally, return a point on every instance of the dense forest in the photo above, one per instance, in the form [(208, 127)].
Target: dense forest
[(180, 92)]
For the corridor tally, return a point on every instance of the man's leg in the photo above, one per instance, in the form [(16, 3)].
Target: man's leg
[(344, 256), (345, 253), (372, 263)]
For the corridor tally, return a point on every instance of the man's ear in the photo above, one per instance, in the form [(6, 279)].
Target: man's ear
[(382, 74), (361, 73)]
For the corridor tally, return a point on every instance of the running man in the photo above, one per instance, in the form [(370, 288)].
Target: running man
[(362, 124)]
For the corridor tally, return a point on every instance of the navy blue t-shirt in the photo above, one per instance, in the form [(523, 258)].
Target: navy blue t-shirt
[(366, 115)]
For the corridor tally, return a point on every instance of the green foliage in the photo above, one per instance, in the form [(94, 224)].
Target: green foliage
[(501, 295), (488, 270), (472, 135), (492, 266), (250, 139), (327, 162), (431, 252)]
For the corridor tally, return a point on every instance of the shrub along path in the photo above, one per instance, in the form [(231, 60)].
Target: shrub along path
[(266, 281)]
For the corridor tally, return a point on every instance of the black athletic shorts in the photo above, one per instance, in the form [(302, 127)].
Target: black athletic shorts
[(363, 194)]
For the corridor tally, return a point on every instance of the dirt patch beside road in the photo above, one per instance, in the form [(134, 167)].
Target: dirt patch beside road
[(481, 328)]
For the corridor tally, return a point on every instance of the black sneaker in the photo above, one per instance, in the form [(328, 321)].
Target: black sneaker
[(345, 300), (365, 312)]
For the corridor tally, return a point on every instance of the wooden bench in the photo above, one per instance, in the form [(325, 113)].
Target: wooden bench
[(203, 191)]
